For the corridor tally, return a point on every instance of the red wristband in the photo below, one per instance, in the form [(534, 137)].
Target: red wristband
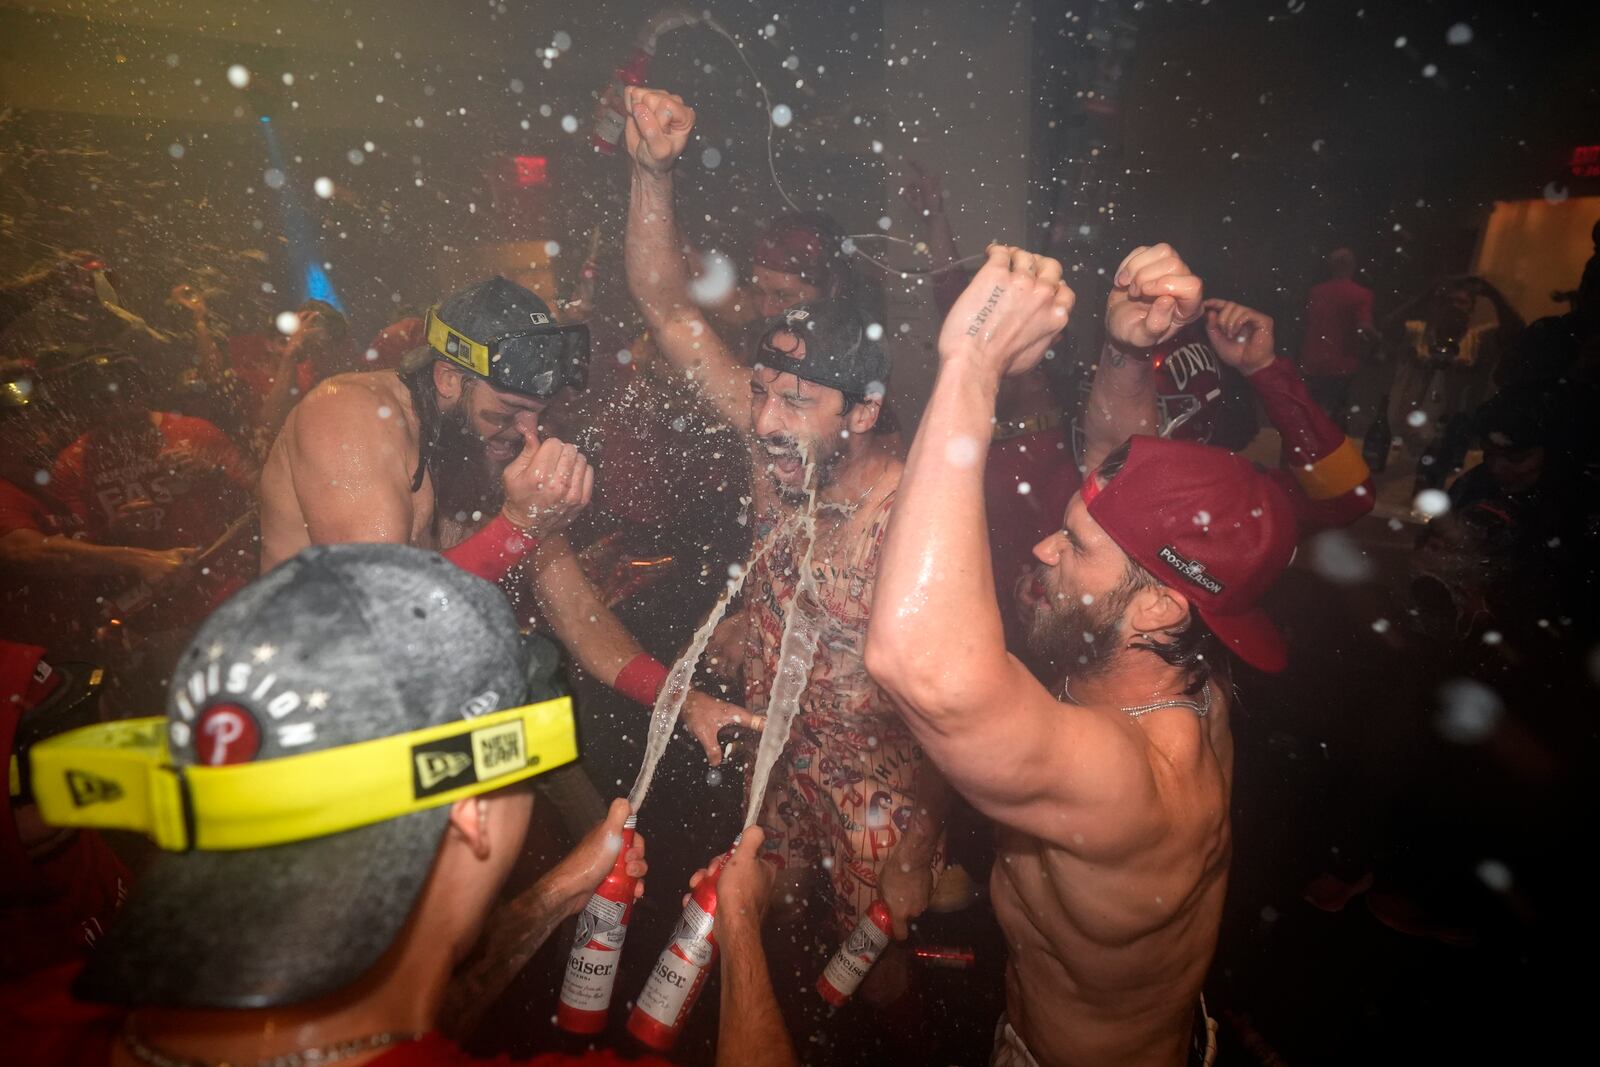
[(492, 551), (641, 680)]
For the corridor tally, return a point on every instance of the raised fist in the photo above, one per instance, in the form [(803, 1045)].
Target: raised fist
[(1154, 295), (659, 125), (1242, 336), (1005, 318)]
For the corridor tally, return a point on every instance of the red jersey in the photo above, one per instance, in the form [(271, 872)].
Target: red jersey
[(40, 1023), (170, 482), (1335, 313)]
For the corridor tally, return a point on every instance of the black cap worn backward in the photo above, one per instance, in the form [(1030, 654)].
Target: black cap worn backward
[(840, 350), (503, 332), (338, 645)]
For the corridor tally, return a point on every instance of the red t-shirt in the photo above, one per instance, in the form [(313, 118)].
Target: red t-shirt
[(174, 483), (1335, 311), (41, 1024)]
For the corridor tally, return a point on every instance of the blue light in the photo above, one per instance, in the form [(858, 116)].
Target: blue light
[(320, 287), (265, 119)]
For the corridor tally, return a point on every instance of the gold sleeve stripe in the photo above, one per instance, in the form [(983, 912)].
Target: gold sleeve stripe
[(1334, 474)]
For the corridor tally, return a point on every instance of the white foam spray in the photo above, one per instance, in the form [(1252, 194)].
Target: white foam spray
[(796, 653)]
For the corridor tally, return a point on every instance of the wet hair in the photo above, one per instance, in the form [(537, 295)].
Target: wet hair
[(1193, 648), (416, 374)]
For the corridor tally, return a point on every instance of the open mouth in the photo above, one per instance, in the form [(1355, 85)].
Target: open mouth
[(786, 462), (500, 451)]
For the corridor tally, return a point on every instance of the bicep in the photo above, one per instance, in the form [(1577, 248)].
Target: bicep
[(349, 489)]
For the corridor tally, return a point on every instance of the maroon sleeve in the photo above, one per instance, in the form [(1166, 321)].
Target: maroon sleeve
[(1326, 477)]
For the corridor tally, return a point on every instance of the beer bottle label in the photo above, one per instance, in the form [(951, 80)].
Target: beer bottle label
[(693, 934), (592, 964), (666, 994), (856, 957), (601, 921)]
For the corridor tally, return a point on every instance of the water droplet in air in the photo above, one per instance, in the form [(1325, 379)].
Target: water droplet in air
[(238, 76), (1431, 503)]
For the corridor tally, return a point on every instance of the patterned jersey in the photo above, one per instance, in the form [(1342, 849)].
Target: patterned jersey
[(843, 792)]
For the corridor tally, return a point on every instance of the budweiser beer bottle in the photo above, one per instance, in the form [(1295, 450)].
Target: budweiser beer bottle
[(596, 951), (668, 997), (611, 110), (857, 955)]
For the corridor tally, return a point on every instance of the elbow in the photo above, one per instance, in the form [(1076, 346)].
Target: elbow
[(927, 689)]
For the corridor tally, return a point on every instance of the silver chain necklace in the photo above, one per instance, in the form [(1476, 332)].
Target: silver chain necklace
[(309, 1057), (1202, 707), (851, 508)]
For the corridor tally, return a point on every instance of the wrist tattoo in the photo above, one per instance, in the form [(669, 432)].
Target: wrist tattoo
[(985, 311)]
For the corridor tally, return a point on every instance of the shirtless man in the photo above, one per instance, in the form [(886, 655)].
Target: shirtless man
[(361, 457), (1111, 791), (852, 796)]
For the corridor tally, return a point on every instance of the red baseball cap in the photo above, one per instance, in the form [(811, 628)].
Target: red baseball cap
[(1209, 524)]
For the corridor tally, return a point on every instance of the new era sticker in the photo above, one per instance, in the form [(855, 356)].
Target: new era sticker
[(466, 759), (92, 789)]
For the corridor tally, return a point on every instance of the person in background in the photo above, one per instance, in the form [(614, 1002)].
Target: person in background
[(145, 478), (1446, 367), (338, 939), (1339, 332), (1560, 347), (49, 574), (1517, 549)]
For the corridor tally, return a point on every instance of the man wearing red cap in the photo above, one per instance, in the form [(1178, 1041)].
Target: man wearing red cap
[(1112, 791)]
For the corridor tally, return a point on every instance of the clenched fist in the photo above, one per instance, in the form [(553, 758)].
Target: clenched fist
[(1154, 295), (659, 125), (1242, 336), (547, 484), (1006, 317)]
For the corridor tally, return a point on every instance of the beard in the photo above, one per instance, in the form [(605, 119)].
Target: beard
[(781, 448), (465, 480), (1068, 634)]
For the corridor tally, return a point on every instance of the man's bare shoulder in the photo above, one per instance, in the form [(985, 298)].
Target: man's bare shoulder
[(370, 406)]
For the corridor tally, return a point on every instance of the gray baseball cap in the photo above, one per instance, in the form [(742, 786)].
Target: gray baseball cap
[(338, 645)]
